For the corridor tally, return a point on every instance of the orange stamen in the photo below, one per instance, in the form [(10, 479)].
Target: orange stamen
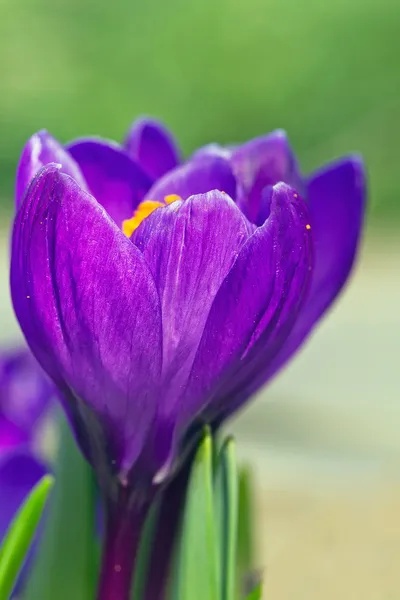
[(145, 209), (171, 198)]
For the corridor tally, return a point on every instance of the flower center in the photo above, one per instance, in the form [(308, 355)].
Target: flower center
[(145, 209)]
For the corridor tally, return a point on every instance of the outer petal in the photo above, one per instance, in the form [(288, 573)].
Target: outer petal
[(40, 150), (336, 197), (114, 179), (213, 149), (255, 307), (19, 472), (190, 247), (263, 162), (152, 147), (196, 177), (89, 310), (336, 203)]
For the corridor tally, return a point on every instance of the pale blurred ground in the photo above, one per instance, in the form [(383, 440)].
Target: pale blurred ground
[(324, 441), (324, 438), (336, 409)]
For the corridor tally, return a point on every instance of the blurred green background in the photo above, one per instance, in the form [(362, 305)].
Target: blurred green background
[(221, 70)]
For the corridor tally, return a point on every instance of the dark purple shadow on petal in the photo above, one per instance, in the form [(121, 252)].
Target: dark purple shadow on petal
[(262, 162), (196, 177), (114, 179), (167, 531), (40, 150), (89, 309), (152, 147)]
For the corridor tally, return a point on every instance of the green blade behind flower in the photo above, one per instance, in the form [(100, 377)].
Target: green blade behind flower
[(66, 564), (197, 567), (227, 501), (256, 593), (245, 522), (20, 535)]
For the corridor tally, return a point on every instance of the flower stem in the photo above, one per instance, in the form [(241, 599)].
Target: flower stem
[(122, 535)]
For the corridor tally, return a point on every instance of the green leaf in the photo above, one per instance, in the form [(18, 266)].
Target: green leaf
[(20, 535), (227, 500), (245, 521), (256, 593), (197, 567), (66, 564), (144, 552)]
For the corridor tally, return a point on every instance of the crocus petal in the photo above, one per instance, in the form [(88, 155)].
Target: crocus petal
[(114, 179), (152, 147), (19, 472), (190, 247), (89, 310), (263, 162), (256, 305), (40, 150), (25, 390), (336, 198), (213, 150), (196, 177)]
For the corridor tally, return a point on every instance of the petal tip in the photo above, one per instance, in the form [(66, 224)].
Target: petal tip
[(358, 164), (280, 134), (281, 188)]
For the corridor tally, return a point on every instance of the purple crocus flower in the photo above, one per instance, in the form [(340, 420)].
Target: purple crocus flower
[(159, 296), (25, 395)]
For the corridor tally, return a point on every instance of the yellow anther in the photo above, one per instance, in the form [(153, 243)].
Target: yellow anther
[(145, 209), (171, 198), (308, 226)]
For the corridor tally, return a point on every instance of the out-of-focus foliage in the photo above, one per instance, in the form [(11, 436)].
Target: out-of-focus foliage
[(67, 552), (222, 70)]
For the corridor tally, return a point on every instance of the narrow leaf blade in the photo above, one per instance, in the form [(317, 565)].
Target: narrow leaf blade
[(245, 521), (227, 508), (256, 593), (20, 535), (197, 567)]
